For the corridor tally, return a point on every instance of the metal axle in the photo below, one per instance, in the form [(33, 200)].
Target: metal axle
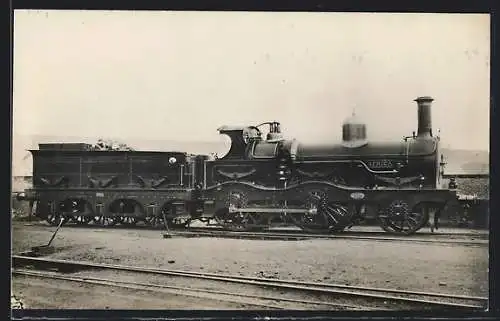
[(272, 210)]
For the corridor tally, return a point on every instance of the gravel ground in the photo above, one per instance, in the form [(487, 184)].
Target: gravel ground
[(421, 267), (49, 294)]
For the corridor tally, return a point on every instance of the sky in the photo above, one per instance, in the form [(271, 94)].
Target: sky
[(181, 75)]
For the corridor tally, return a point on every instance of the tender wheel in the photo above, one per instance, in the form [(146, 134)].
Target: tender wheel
[(82, 219), (179, 222), (82, 212), (399, 218), (175, 219), (55, 219), (154, 221), (128, 220), (106, 220)]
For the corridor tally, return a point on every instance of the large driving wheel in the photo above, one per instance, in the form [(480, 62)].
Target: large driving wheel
[(323, 216), (342, 215)]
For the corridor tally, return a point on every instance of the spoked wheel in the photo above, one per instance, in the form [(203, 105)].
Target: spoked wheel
[(106, 220), (222, 216), (175, 218), (81, 212), (243, 222), (154, 221), (126, 211), (179, 222), (82, 219), (340, 214), (230, 218), (227, 220), (398, 218), (128, 220), (255, 222), (322, 216), (66, 210), (54, 219)]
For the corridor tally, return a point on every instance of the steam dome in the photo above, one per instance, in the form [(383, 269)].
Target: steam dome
[(354, 132)]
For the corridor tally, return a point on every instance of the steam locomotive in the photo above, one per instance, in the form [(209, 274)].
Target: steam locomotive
[(262, 181)]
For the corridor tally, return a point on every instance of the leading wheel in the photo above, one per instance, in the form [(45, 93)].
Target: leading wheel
[(399, 218)]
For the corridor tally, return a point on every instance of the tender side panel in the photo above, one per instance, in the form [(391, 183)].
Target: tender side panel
[(98, 169), (160, 170), (103, 170), (56, 169)]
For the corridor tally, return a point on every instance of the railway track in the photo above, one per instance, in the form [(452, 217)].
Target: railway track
[(349, 232), (259, 301), (289, 230), (449, 239), (299, 236), (332, 296)]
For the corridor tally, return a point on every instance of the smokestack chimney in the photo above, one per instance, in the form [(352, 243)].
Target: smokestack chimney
[(424, 116)]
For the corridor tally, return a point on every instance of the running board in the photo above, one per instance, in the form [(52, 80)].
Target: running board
[(273, 210)]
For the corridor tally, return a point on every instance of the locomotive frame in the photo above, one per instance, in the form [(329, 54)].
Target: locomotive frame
[(257, 184)]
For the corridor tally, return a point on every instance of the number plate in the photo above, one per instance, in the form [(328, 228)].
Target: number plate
[(381, 164), (357, 196), (99, 194)]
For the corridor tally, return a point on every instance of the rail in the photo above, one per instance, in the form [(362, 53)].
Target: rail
[(483, 175), (385, 297), (478, 239), (186, 291)]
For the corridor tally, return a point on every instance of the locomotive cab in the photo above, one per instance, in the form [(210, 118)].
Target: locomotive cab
[(241, 138), (248, 143), (257, 157)]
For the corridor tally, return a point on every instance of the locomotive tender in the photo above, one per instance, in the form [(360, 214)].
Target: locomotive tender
[(260, 182)]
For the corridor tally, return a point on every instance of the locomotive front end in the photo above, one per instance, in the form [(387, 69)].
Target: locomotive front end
[(396, 182)]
